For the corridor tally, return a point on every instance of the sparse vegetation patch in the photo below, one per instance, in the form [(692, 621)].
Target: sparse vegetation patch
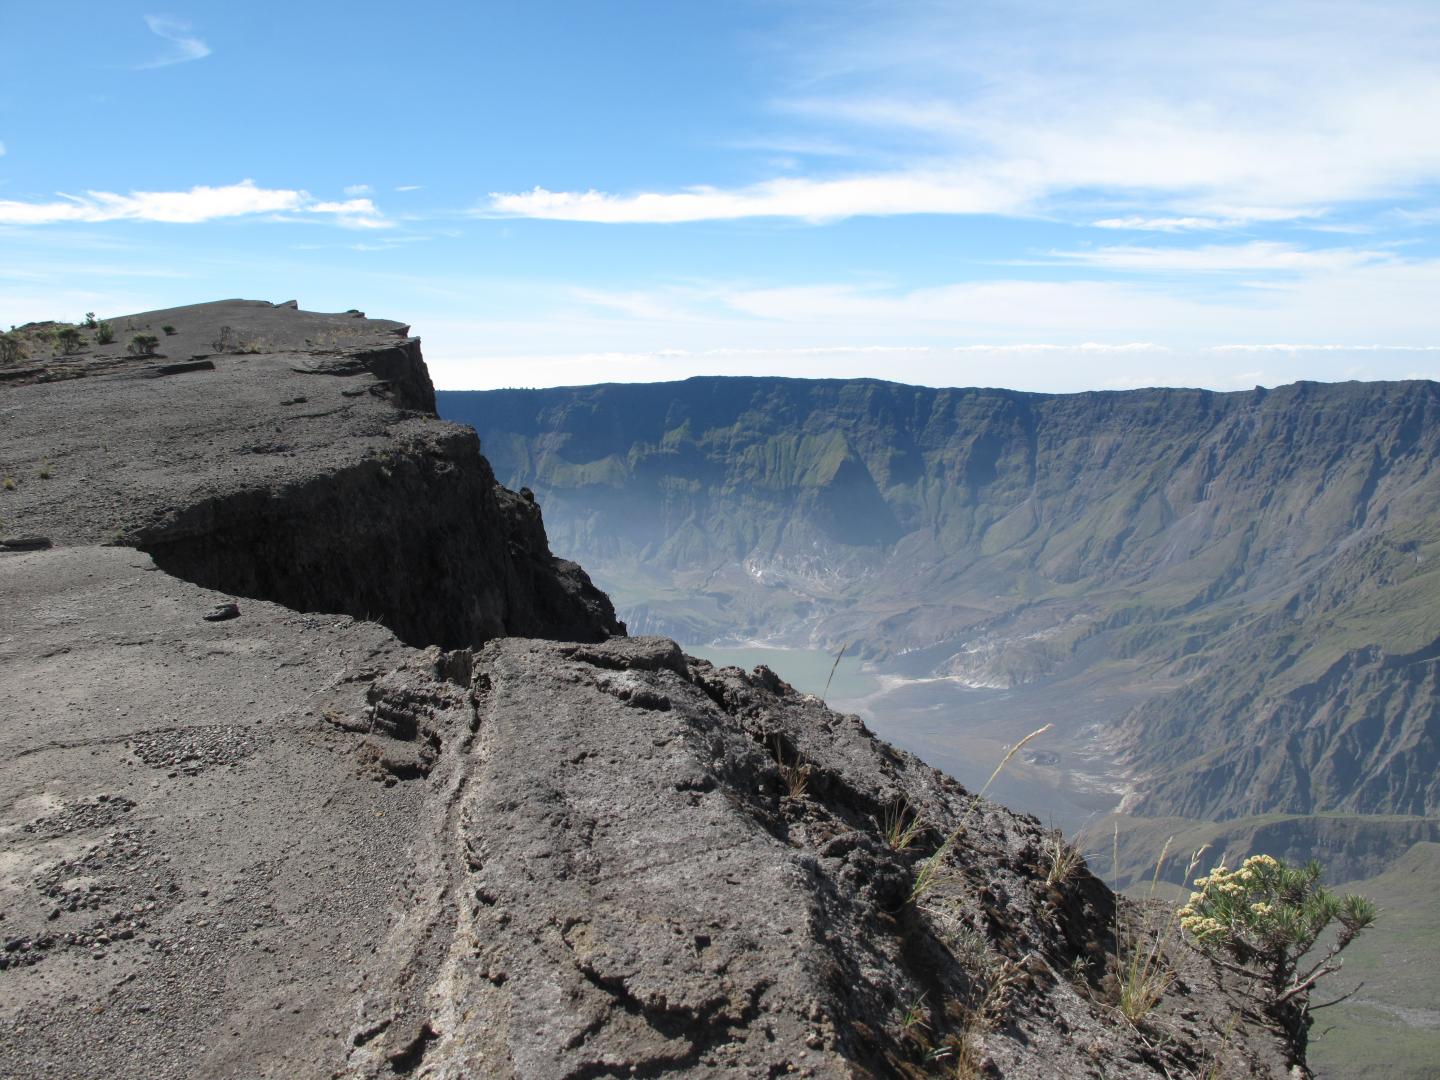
[(12, 348), (143, 345), (69, 340)]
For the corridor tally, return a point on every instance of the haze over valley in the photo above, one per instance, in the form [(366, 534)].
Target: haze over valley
[(1122, 564)]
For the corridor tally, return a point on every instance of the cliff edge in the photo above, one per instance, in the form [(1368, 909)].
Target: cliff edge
[(320, 764)]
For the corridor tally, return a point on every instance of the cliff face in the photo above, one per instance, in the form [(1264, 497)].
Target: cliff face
[(250, 830), (312, 473), (1258, 568)]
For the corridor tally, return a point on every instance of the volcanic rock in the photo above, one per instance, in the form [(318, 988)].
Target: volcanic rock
[(421, 809)]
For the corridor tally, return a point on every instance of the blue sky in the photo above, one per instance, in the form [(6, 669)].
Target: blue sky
[(1048, 196)]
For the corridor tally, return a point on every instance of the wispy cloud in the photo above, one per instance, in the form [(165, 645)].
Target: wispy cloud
[(198, 204), (1428, 216), (1223, 258), (1052, 109), (2, 149), (1313, 347), (352, 213), (1165, 224), (1336, 296), (808, 200), (184, 46)]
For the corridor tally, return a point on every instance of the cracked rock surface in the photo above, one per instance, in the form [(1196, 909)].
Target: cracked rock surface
[(295, 843)]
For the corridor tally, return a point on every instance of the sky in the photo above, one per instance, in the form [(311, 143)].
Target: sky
[(1044, 196)]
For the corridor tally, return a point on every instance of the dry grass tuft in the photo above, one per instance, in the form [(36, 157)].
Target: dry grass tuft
[(902, 824), (1143, 972), (1062, 858), (794, 775), (931, 872)]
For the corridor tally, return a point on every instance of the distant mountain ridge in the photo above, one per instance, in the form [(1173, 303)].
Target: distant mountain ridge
[(1257, 570)]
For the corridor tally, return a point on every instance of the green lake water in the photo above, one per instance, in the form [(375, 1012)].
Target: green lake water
[(804, 669)]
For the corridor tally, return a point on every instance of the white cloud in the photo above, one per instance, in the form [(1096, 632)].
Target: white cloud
[(1345, 300), (184, 47), (198, 204), (1256, 256), (358, 189), (810, 200), (1428, 216), (1312, 347), (409, 187), (1172, 118), (1353, 228), (352, 213), (1165, 224), (2, 149)]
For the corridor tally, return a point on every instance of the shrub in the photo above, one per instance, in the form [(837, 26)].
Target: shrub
[(168, 329), (104, 334), (69, 340), (1262, 921), (12, 348), (143, 345), (89, 320)]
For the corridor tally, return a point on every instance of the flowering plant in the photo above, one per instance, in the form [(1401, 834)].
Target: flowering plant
[(1264, 919)]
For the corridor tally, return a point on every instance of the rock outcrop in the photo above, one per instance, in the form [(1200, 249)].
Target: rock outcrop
[(319, 764), (307, 467)]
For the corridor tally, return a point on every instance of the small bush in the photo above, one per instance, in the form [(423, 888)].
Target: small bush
[(168, 330), (12, 348), (104, 334), (89, 320), (69, 340), (1262, 920), (143, 345)]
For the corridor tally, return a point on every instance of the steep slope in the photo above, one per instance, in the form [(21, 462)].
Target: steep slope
[(248, 835), (1264, 560)]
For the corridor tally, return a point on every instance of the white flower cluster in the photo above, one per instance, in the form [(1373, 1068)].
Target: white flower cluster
[(1202, 916)]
